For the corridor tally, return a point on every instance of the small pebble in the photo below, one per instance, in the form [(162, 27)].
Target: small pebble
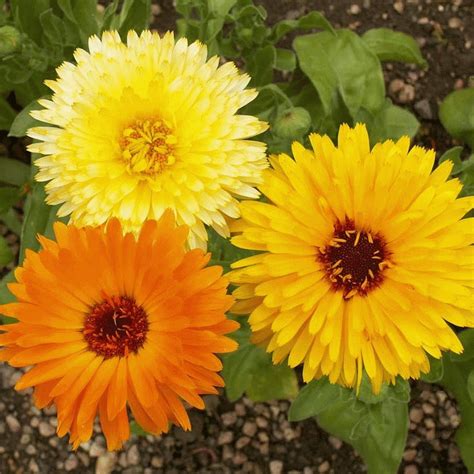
[(13, 423), (410, 469), (45, 429), (249, 428), (398, 6), (324, 467), (225, 437), (276, 467), (416, 415)]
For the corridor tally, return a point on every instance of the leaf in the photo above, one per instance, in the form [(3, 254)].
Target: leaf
[(13, 172), (23, 121), (315, 397), (455, 113), (250, 369), (26, 14), (136, 429), (7, 114), (135, 15), (223, 252), (39, 219), (54, 28), (311, 20), (342, 64), (391, 45), (12, 221), (6, 254), (436, 371), (6, 296), (260, 65), (390, 122), (470, 385), (285, 60), (453, 154), (9, 195), (377, 431), (457, 371)]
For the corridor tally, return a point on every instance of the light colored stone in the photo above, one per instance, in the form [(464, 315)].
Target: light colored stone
[(229, 418), (410, 469), (226, 437), (249, 428), (242, 442), (409, 455), (71, 463), (336, 443), (354, 9), (133, 455), (416, 414), (33, 467), (455, 23), (157, 461), (276, 467), (324, 467), (45, 429), (399, 7), (106, 463), (13, 424)]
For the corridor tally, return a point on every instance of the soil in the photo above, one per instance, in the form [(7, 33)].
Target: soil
[(256, 437)]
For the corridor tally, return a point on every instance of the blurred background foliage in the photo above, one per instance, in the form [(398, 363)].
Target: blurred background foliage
[(310, 77)]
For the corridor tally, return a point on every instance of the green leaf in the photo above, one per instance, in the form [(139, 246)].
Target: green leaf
[(457, 372), (455, 113), (39, 219), (453, 154), (315, 397), (311, 20), (470, 385), (436, 371), (342, 64), (9, 195), (389, 122), (377, 431), (53, 27), (7, 114), (11, 219), (391, 45), (223, 252), (26, 14), (135, 15), (6, 254), (85, 14), (260, 65), (6, 295), (23, 121), (13, 172), (250, 369), (285, 60), (136, 429)]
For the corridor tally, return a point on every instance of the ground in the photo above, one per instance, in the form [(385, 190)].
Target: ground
[(256, 437)]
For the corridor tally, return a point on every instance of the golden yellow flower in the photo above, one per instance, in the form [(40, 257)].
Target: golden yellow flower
[(365, 259), (146, 126)]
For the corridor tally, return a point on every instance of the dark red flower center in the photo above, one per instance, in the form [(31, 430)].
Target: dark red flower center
[(354, 260), (116, 327)]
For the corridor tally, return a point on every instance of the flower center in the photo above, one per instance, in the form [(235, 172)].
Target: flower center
[(354, 260), (116, 327), (147, 147)]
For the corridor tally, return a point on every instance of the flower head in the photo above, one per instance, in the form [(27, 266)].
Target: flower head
[(365, 259), (109, 321), (146, 126)]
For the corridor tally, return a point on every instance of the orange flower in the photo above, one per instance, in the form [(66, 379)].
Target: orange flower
[(107, 320)]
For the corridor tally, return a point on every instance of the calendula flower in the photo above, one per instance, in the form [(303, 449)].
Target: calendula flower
[(365, 259), (109, 321), (146, 126)]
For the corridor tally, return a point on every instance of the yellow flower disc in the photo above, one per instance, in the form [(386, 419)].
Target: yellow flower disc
[(365, 259), (146, 126)]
